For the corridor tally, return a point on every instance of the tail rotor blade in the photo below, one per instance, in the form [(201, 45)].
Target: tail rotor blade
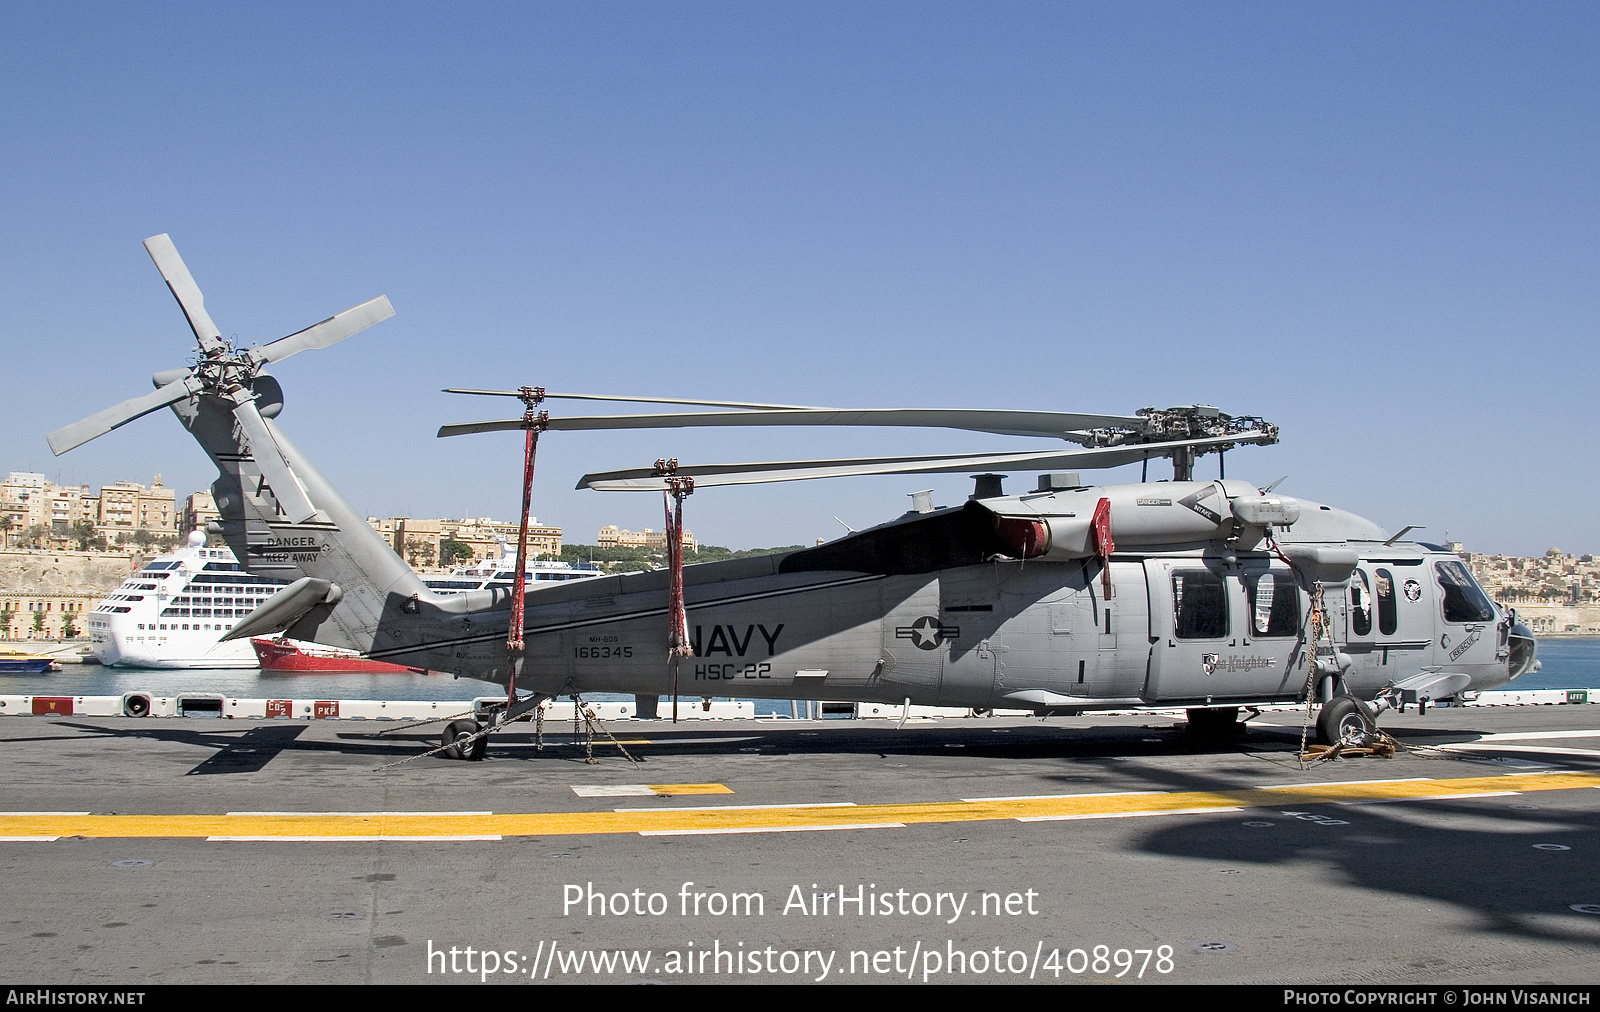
[(181, 282), (269, 458), (80, 432), (329, 331)]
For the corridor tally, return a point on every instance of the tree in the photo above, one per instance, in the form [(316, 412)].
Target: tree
[(420, 552), (6, 524), (36, 534), (69, 627), (452, 551), (84, 534), (38, 621), (6, 615)]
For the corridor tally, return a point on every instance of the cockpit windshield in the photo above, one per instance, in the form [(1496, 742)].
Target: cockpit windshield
[(1464, 600)]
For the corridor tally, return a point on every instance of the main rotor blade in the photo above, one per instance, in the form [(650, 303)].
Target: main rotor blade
[(269, 458), (1001, 422), (329, 331), (644, 479), (638, 400), (100, 423), (181, 282)]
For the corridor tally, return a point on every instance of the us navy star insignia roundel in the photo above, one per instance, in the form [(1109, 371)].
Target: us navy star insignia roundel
[(926, 632)]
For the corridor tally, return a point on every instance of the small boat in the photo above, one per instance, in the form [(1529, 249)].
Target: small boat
[(14, 663), (282, 655)]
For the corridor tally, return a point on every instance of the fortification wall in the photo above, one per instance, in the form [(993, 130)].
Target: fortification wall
[(65, 573)]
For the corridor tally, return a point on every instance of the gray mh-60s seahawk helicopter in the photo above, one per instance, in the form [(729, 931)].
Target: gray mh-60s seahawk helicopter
[(1208, 595)]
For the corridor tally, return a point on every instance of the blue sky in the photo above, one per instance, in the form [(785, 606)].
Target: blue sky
[(1375, 225)]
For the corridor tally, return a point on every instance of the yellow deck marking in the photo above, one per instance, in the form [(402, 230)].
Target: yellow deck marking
[(771, 829), (351, 839), (797, 817), (1128, 815), (670, 790)]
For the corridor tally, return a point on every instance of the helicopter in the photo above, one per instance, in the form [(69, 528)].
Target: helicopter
[(1209, 596)]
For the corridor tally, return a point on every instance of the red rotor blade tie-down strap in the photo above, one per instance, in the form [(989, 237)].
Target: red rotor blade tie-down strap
[(534, 422), (678, 646)]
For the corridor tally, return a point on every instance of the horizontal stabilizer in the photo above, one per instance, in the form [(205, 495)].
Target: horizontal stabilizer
[(285, 608)]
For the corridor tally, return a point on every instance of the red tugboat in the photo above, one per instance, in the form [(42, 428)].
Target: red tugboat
[(281, 655)]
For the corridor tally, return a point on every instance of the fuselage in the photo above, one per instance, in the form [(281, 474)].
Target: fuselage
[(909, 612), (1206, 596)]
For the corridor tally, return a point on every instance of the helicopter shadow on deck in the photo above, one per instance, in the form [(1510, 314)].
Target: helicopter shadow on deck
[(252, 748), (1024, 743), (1519, 862), (237, 749), (1503, 863)]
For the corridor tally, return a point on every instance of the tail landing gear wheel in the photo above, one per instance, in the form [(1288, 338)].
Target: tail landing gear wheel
[(1347, 720), (457, 749), (1214, 721)]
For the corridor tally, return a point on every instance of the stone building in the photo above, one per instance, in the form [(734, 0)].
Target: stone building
[(611, 536), (422, 543), (198, 510), (42, 514)]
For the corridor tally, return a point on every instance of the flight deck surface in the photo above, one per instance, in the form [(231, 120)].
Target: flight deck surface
[(949, 851)]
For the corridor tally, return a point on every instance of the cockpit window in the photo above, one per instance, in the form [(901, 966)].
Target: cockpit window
[(1388, 610), (1360, 604), (1199, 605), (1274, 604), (1464, 601)]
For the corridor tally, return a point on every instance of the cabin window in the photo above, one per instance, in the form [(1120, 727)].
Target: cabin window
[(1360, 605), (1464, 600), (1199, 605), (1274, 604), (1388, 610)]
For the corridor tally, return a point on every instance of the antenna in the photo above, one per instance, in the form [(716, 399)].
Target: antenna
[(1405, 531)]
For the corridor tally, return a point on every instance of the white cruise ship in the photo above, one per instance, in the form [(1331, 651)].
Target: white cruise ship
[(171, 613), (492, 573)]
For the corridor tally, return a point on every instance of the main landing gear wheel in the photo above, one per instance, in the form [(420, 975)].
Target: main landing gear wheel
[(1346, 720), (1213, 721), (457, 749)]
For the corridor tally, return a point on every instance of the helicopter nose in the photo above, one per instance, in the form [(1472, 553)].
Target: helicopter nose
[(1523, 651)]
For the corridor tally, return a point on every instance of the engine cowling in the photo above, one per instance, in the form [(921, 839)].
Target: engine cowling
[(1059, 525)]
